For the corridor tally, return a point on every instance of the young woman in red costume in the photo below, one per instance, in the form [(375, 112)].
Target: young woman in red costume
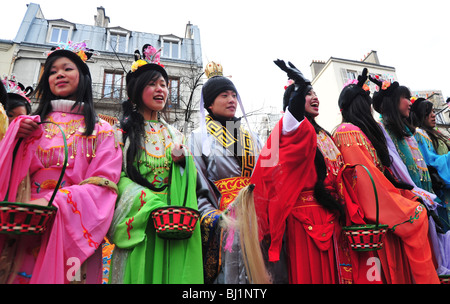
[(295, 194)]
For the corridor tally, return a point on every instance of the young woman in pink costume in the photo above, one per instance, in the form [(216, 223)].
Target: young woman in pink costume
[(69, 251)]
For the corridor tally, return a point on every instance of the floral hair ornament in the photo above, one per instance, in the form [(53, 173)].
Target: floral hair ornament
[(289, 82), (149, 60), (413, 99), (385, 85), (150, 55), (79, 49), (12, 86)]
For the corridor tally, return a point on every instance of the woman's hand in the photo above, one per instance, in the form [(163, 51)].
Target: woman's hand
[(39, 201), (27, 126), (178, 154)]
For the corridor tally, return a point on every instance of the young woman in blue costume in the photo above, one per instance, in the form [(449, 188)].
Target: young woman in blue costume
[(435, 150), (393, 102)]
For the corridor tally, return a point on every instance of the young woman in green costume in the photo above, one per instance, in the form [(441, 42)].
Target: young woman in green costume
[(153, 164)]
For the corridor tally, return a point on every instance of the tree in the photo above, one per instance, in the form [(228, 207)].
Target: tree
[(181, 113)]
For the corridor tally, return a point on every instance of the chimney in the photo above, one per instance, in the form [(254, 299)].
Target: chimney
[(189, 33), (316, 67), (372, 57), (101, 19)]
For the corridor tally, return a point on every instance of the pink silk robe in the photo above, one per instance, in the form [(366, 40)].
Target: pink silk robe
[(84, 211)]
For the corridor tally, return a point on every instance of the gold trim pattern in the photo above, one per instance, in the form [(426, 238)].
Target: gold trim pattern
[(226, 139)]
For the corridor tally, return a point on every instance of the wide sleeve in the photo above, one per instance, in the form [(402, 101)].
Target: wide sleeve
[(282, 172), (440, 162), (11, 177), (357, 150), (85, 210)]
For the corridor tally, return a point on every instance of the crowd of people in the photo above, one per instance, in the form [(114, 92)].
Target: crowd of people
[(220, 206)]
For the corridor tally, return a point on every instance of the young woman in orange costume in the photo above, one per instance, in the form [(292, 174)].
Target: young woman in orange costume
[(406, 256)]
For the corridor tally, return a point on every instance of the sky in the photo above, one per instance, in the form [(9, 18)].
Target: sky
[(245, 36)]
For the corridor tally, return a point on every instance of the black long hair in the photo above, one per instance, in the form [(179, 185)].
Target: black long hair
[(84, 94), (359, 113), (133, 125), (419, 112), (392, 118), (3, 95)]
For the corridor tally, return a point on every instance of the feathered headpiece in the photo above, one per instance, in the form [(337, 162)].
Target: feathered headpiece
[(149, 60), (14, 87)]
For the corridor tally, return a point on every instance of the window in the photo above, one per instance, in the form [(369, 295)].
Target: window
[(113, 85), (348, 75), (174, 92), (118, 43), (59, 31), (171, 49), (117, 40), (59, 34), (352, 75), (171, 46)]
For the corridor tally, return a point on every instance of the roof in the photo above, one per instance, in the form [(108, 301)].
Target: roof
[(361, 62)]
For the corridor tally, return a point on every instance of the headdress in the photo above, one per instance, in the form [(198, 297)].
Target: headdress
[(385, 89), (213, 69), (216, 84), (12, 86), (77, 52), (353, 88), (149, 60)]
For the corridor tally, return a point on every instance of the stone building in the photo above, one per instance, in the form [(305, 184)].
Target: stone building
[(24, 57)]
